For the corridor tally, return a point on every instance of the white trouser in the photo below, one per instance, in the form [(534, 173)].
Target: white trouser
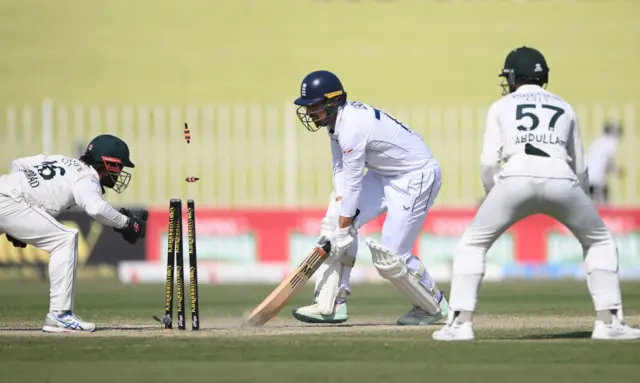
[(514, 198), (38, 228), (406, 199)]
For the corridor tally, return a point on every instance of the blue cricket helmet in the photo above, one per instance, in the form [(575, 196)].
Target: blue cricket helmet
[(320, 91)]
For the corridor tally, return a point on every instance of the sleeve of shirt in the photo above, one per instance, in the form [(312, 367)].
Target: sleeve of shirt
[(353, 145), (338, 178), (88, 196), (576, 152), (491, 149), (25, 162)]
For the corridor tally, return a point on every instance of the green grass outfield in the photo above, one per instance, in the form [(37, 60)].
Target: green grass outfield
[(527, 332)]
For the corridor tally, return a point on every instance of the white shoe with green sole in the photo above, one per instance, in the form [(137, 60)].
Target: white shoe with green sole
[(418, 317), (311, 314)]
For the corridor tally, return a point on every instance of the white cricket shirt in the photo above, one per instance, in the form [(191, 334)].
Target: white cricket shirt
[(367, 137), (56, 183), (532, 119)]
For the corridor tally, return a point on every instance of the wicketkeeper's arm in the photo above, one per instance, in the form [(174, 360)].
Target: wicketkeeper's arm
[(88, 195)]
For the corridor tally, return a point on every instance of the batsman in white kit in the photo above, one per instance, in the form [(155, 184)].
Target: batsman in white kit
[(402, 179), (39, 188), (537, 135)]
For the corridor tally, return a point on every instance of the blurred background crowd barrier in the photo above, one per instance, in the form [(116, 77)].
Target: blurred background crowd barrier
[(231, 69), (259, 155)]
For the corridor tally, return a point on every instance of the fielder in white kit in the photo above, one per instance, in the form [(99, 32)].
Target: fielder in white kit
[(537, 135), (403, 180), (39, 188)]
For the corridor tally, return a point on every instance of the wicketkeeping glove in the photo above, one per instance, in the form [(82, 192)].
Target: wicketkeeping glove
[(136, 228), (143, 214), (126, 212), (16, 242)]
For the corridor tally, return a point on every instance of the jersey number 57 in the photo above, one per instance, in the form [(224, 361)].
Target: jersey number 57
[(524, 110)]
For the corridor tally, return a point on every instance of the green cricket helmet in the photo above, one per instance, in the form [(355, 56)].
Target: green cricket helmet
[(524, 65), (111, 154)]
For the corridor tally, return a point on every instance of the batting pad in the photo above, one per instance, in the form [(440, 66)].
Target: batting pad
[(330, 282), (391, 267)]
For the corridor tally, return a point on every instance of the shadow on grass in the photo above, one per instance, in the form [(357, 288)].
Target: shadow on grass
[(563, 335), (319, 325), (112, 328)]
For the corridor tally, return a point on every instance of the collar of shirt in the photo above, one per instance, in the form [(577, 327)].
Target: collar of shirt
[(529, 88)]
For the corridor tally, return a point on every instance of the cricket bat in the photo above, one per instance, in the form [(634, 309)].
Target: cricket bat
[(272, 305)]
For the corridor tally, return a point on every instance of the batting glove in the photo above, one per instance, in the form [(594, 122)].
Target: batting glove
[(341, 239)]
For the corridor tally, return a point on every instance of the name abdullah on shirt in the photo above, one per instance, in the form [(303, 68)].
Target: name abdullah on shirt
[(540, 138)]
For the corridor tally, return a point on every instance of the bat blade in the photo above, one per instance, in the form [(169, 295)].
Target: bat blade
[(279, 298)]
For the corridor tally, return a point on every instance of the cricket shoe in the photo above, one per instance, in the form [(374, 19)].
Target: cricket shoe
[(66, 322), (418, 317), (454, 331), (312, 314), (615, 330)]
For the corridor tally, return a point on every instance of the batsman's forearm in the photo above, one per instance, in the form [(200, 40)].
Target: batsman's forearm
[(350, 197), (344, 222)]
